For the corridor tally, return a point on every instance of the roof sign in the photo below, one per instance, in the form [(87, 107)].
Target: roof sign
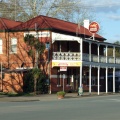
[(94, 27)]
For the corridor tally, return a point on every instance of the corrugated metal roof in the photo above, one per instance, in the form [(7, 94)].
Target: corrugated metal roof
[(6, 24), (54, 24)]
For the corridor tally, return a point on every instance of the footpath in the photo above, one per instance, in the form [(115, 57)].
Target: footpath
[(49, 97)]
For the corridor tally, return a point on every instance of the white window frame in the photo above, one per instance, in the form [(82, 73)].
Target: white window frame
[(1, 46), (13, 46)]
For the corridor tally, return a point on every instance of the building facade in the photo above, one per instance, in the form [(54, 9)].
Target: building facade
[(72, 58)]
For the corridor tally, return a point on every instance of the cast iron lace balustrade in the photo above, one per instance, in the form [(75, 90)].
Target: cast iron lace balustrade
[(86, 57), (66, 56)]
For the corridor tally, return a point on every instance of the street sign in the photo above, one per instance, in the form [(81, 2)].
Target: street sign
[(63, 68), (94, 27)]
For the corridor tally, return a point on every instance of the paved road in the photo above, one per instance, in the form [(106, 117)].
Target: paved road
[(85, 108)]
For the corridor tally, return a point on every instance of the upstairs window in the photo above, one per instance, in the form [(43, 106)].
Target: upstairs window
[(13, 48), (0, 46)]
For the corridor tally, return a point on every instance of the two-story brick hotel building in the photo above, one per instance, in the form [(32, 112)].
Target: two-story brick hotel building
[(73, 58)]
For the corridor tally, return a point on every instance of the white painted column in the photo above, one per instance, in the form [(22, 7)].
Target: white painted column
[(81, 76), (90, 51), (90, 79), (81, 56), (106, 69), (98, 53), (114, 80), (81, 50), (98, 80), (106, 79), (106, 54), (114, 53)]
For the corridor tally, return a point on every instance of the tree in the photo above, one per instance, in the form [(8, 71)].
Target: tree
[(35, 48), (34, 80), (69, 10), (36, 74), (117, 42), (117, 50)]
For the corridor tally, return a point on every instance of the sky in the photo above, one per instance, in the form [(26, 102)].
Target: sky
[(107, 14)]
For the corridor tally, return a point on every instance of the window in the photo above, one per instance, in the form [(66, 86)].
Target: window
[(13, 45), (0, 46)]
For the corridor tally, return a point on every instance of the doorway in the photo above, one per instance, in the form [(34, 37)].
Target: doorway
[(73, 78)]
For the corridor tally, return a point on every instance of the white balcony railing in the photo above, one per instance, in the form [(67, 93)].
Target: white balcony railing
[(85, 57), (102, 59), (66, 56), (118, 60), (76, 56), (94, 58), (110, 60)]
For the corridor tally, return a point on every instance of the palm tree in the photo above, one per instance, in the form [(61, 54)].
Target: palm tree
[(36, 74), (36, 48)]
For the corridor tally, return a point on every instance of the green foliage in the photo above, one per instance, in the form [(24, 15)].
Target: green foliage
[(117, 50), (40, 47), (61, 93), (36, 73), (41, 85), (31, 53), (33, 42), (29, 39), (12, 94), (35, 47), (117, 42), (28, 81)]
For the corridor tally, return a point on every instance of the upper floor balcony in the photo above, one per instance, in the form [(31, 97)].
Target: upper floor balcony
[(66, 56), (76, 56)]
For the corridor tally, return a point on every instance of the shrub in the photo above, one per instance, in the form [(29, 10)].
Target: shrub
[(61, 93)]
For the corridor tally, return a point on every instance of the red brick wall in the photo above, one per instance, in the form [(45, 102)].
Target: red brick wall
[(12, 82)]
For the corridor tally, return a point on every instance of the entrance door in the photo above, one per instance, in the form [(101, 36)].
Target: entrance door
[(73, 76)]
